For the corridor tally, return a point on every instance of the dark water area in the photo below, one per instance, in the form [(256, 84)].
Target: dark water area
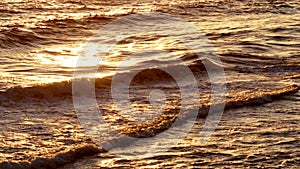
[(257, 43)]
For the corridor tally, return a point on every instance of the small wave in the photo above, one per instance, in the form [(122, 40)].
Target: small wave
[(282, 38), (213, 8), (58, 160), (261, 97), (88, 19), (16, 37), (51, 30), (70, 22), (63, 89), (236, 100), (221, 35), (282, 68), (43, 91), (8, 11), (76, 152), (150, 76), (161, 124), (247, 62), (273, 69)]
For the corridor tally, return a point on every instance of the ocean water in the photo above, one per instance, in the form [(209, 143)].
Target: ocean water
[(256, 43)]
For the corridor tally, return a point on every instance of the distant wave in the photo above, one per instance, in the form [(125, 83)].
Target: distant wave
[(235, 7), (87, 20), (52, 31), (273, 69), (282, 68), (69, 22)]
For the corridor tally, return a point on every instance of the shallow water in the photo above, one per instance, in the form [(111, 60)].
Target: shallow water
[(260, 137), (256, 41)]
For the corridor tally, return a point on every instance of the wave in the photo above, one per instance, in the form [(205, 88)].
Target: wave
[(221, 35), (282, 68), (261, 97), (70, 22), (63, 89), (58, 160), (233, 7), (16, 37), (147, 130), (150, 76), (273, 69), (50, 31), (9, 11), (88, 19), (236, 100)]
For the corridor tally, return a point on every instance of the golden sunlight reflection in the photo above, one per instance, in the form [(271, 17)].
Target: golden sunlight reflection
[(59, 55), (49, 79), (64, 61)]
